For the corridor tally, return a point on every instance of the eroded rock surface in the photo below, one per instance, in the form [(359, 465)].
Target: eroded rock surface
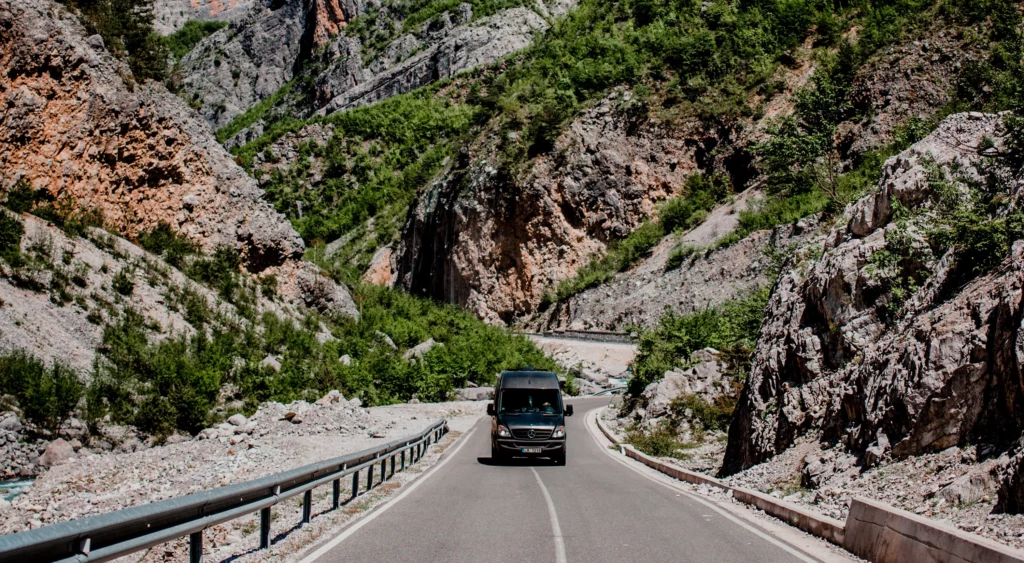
[(945, 371), (74, 123), (494, 243)]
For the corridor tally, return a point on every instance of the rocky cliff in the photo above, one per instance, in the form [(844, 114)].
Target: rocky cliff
[(492, 241), (883, 372), (170, 15), (74, 123)]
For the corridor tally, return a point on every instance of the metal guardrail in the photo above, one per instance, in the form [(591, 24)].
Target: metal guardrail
[(119, 533)]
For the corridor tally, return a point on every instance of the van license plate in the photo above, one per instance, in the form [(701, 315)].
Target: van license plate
[(531, 450)]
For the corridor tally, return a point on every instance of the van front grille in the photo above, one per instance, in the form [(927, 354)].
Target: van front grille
[(538, 433)]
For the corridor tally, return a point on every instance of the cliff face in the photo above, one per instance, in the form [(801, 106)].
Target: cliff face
[(253, 58), (70, 124), (170, 15), (943, 370), (495, 243)]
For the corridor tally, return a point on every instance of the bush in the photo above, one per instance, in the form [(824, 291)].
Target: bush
[(731, 328), (127, 30), (167, 244), (182, 41), (662, 441), (11, 231), (124, 281), (47, 396)]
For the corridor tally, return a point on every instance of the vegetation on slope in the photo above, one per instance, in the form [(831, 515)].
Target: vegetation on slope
[(182, 41), (126, 27), (162, 382)]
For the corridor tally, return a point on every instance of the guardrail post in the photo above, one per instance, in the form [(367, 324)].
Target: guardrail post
[(307, 506), (265, 528), (403, 459), (335, 494), (195, 547), (369, 478), (383, 470), (355, 485), (392, 466)]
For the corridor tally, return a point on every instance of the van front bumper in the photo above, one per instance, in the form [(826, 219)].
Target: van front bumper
[(515, 447)]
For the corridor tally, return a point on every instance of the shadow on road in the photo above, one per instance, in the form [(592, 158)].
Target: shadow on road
[(515, 461)]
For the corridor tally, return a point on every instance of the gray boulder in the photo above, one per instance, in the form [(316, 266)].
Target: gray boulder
[(57, 452)]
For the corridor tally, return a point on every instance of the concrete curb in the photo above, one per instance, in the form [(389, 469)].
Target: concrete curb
[(815, 524), (873, 530), (676, 472), (885, 534), (605, 430)]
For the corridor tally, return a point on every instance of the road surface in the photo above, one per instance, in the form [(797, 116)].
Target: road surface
[(593, 509)]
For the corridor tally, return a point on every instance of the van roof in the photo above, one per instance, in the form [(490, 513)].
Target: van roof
[(528, 380)]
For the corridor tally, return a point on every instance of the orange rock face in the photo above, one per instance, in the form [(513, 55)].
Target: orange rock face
[(74, 123), (329, 20)]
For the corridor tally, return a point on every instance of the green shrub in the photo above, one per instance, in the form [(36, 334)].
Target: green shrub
[(681, 254), (11, 231), (167, 244), (124, 281), (47, 396), (731, 328), (182, 41), (661, 441)]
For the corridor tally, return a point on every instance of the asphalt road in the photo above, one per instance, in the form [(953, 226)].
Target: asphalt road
[(473, 510)]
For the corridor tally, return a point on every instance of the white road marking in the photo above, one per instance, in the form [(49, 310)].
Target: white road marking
[(626, 462), (324, 549), (555, 528)]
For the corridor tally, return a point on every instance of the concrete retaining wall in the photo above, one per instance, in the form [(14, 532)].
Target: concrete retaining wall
[(885, 534), (672, 471), (796, 515)]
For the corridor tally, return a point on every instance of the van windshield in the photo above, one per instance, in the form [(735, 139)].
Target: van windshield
[(542, 401)]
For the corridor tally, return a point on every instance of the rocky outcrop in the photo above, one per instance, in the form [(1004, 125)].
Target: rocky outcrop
[(170, 15), (944, 371), (253, 58), (494, 243), (74, 123), (912, 79), (447, 45), (639, 297), (438, 54)]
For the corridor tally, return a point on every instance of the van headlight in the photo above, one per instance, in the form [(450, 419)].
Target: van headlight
[(559, 432), (503, 432)]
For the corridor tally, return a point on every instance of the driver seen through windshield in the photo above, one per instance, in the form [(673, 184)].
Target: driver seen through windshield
[(542, 401)]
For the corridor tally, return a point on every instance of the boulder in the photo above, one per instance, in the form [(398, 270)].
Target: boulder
[(420, 349), (12, 423), (57, 452), (237, 420), (476, 394), (332, 397), (271, 362), (345, 360)]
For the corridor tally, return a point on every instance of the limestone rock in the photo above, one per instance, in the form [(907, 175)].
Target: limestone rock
[(57, 452), (134, 152), (237, 420), (419, 350), (827, 360)]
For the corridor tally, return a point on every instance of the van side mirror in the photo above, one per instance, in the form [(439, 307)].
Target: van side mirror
[(490, 409), (568, 410)]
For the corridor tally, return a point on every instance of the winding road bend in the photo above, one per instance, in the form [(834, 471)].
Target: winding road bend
[(593, 509)]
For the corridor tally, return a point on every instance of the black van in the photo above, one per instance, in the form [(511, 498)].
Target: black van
[(528, 416)]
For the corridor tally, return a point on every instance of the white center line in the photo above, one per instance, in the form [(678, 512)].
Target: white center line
[(555, 528)]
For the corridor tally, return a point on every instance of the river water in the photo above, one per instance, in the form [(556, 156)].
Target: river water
[(11, 489)]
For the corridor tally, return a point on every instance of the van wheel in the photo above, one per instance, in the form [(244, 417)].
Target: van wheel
[(496, 455)]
